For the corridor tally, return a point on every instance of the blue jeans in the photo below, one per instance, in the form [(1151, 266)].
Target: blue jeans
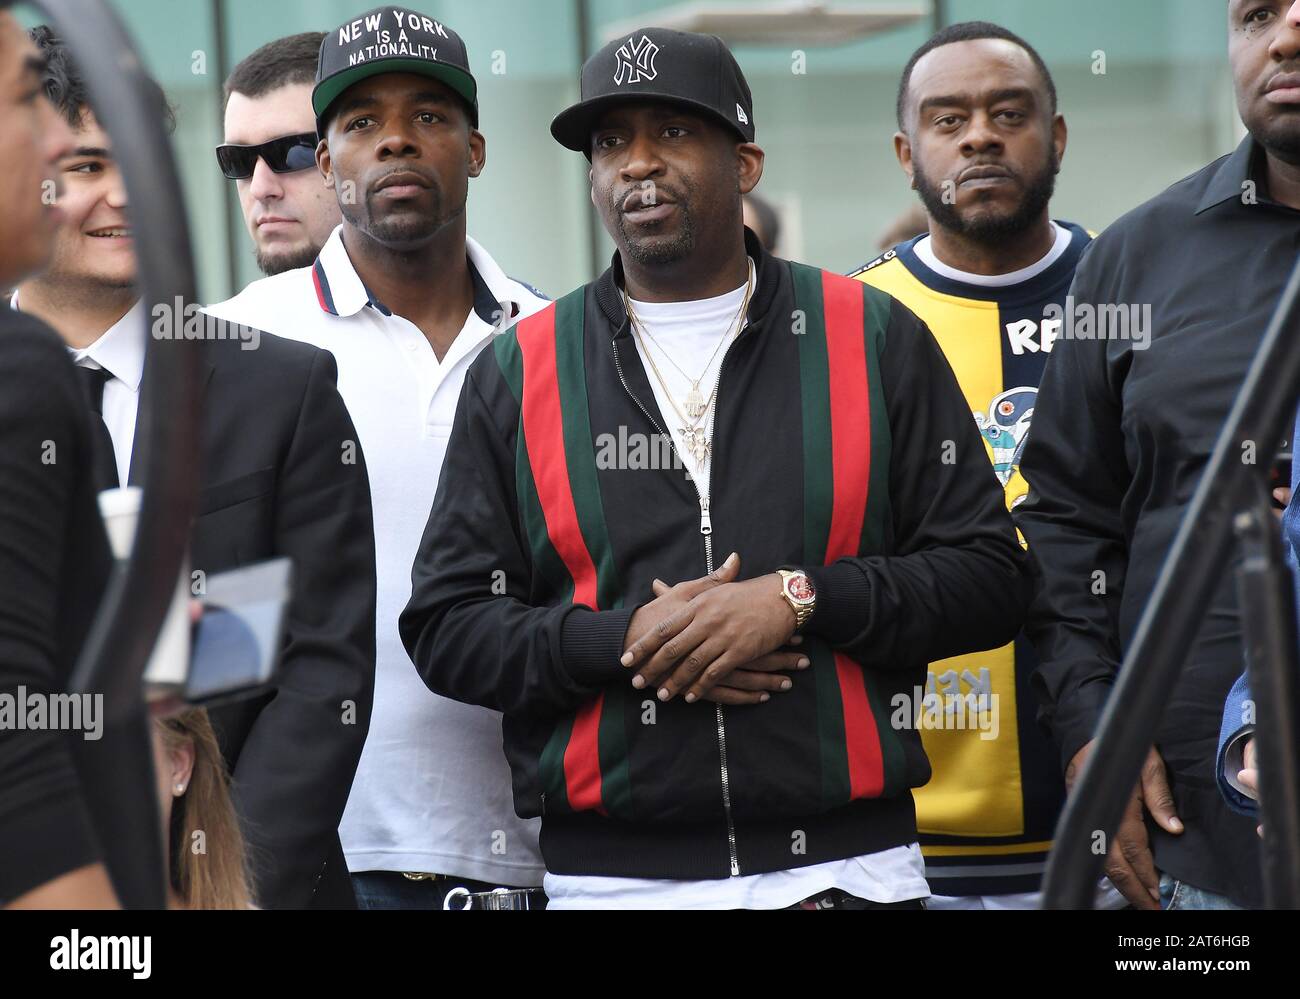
[(1175, 894), (393, 890)]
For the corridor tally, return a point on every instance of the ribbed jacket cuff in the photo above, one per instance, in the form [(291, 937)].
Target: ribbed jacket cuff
[(843, 602), (1231, 759), (591, 643)]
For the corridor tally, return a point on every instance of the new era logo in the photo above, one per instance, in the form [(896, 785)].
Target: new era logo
[(741, 116), (636, 63)]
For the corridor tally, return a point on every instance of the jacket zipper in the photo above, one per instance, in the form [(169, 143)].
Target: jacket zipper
[(706, 530)]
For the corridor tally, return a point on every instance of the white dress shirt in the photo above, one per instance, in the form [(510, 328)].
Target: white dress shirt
[(432, 792), (120, 350)]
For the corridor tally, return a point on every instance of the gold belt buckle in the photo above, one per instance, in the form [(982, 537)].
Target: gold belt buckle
[(420, 876)]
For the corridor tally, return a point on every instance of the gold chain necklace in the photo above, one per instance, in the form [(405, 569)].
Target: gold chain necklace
[(695, 404), (694, 437)]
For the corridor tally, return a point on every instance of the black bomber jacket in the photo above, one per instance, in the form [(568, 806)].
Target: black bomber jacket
[(842, 445)]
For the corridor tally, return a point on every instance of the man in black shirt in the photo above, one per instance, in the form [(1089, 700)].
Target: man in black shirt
[(282, 474), (54, 556), (1169, 305)]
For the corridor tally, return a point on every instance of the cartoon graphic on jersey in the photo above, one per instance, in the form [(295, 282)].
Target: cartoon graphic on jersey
[(1004, 427)]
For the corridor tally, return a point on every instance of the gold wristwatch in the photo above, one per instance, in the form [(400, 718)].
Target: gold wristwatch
[(797, 591)]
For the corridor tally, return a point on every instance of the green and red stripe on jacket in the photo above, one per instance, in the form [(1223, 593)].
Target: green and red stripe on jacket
[(846, 445)]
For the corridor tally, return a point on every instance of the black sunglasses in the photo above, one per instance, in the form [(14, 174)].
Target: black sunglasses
[(286, 154)]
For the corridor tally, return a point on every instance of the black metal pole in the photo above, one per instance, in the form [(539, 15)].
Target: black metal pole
[(118, 772), (1265, 404)]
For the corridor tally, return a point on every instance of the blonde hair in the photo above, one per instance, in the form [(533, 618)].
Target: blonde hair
[(216, 876)]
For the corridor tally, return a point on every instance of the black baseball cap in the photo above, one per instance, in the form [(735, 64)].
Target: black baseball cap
[(657, 64), (391, 40)]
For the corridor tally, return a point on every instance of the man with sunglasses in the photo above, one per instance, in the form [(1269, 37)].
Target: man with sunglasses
[(406, 300), (282, 474), (270, 153)]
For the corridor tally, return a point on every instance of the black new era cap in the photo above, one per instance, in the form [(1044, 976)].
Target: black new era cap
[(656, 64), (391, 40)]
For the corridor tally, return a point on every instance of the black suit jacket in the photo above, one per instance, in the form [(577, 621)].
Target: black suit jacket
[(282, 474)]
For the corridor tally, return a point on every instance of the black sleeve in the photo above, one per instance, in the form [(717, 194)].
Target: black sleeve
[(469, 627), (955, 581), (45, 828), (295, 769), (1075, 465)]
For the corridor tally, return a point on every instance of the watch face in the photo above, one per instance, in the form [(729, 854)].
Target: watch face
[(799, 588)]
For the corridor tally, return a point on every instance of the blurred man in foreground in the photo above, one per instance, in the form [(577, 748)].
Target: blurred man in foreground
[(282, 475)]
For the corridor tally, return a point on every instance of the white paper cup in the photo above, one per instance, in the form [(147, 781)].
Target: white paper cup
[(169, 664)]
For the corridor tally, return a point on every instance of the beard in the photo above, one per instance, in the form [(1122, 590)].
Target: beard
[(982, 226), (276, 262), (402, 228), (1281, 137), (650, 249)]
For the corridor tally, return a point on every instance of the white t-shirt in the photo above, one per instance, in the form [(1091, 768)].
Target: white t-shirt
[(925, 251), (689, 332)]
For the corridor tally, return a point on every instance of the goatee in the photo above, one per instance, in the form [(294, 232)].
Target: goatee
[(985, 227), (272, 264)]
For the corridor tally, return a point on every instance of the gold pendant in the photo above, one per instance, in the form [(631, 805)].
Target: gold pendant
[(695, 442), (694, 403)]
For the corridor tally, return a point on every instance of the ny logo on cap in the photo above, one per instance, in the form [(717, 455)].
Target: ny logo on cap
[(636, 64)]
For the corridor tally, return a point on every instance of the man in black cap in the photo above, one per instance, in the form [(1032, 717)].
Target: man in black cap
[(405, 300), (610, 445)]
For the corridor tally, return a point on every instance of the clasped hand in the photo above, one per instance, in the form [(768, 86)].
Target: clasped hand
[(714, 638)]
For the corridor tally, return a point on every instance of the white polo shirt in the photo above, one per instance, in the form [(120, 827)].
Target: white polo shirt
[(432, 792)]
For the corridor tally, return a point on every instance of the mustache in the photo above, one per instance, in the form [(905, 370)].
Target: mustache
[(617, 198)]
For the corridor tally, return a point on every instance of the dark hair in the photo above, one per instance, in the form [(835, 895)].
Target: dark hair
[(276, 64), (66, 89), (970, 31)]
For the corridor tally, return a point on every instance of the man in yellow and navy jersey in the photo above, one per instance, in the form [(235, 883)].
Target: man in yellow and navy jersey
[(981, 140)]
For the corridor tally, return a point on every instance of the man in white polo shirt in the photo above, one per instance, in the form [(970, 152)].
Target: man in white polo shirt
[(405, 301)]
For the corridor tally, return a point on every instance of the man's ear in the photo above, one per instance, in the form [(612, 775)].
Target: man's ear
[(903, 150), (750, 160), (477, 152), (324, 164), (1059, 135)]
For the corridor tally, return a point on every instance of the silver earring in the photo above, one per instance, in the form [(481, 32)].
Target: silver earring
[(180, 788)]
